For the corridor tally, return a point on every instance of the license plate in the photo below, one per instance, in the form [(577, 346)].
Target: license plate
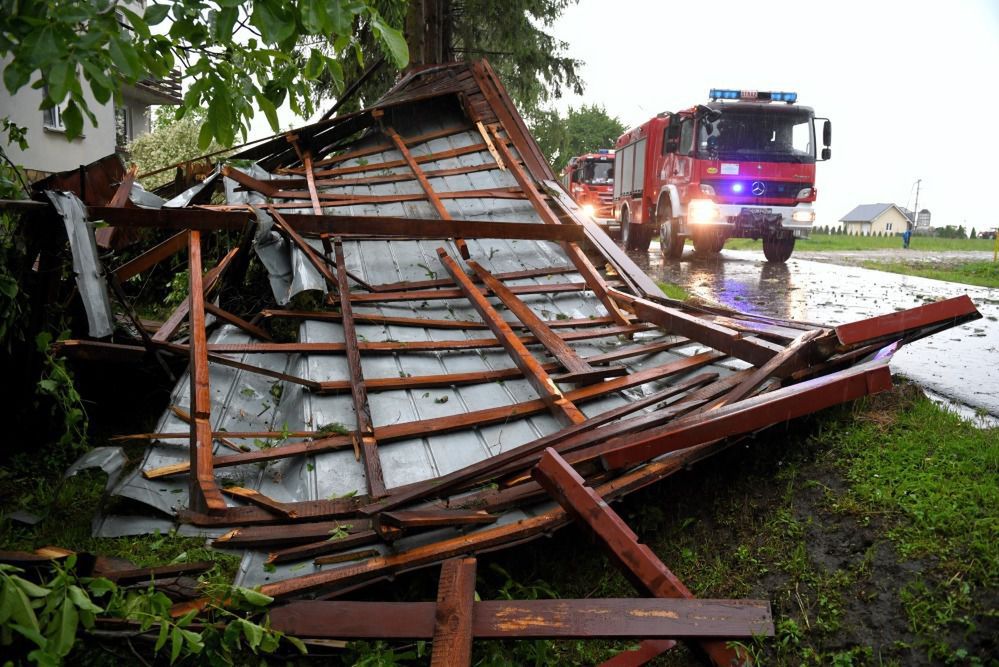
[(758, 211)]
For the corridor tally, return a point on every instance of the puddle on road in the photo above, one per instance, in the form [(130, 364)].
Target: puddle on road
[(963, 365)]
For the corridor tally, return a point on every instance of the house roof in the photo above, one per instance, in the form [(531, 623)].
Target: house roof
[(869, 212)]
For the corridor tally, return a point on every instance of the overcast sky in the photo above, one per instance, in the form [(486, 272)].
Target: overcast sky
[(911, 87)]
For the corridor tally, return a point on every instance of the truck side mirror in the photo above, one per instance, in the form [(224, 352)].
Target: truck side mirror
[(827, 134), (826, 153)]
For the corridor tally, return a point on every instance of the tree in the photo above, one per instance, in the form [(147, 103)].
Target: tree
[(973, 234), (582, 130), (170, 142), (512, 34), (238, 55)]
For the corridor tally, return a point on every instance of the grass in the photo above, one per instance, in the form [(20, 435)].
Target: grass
[(983, 274), (872, 529), (842, 242), (673, 291)]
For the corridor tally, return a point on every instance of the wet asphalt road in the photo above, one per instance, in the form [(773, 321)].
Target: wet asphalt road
[(961, 364)]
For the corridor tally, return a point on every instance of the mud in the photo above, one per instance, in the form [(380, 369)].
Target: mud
[(962, 364)]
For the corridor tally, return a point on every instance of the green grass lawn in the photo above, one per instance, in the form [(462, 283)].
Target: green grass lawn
[(983, 274), (839, 242)]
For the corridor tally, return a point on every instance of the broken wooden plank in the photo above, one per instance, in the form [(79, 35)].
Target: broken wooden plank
[(593, 618), (204, 493), (577, 370), (365, 431), (561, 408), (637, 562), (152, 257), (429, 518), (254, 497), (453, 614)]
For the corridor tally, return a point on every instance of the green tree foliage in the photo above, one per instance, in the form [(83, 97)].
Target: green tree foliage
[(170, 142), (514, 35), (582, 130), (237, 55)]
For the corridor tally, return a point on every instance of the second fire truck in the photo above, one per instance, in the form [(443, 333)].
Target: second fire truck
[(741, 166), (589, 179)]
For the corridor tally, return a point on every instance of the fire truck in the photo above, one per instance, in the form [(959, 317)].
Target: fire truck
[(741, 166), (589, 179)]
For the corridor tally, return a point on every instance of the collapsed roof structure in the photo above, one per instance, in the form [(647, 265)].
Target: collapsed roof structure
[(471, 319)]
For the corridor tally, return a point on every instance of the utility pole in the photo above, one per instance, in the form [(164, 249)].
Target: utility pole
[(915, 209)]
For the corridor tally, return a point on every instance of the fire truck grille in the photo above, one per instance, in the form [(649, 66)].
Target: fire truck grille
[(745, 188)]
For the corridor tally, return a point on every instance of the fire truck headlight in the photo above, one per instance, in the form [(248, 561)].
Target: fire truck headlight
[(707, 190), (589, 210), (700, 211), (804, 215), (804, 193)]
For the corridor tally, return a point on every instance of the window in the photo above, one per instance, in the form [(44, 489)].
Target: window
[(686, 137), (52, 118), (888, 226)]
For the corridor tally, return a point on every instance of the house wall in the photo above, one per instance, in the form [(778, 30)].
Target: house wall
[(48, 148), (890, 222)]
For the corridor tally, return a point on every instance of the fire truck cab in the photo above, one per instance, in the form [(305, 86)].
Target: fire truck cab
[(741, 166), (589, 179)]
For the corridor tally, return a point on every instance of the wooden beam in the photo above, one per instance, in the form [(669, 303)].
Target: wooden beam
[(578, 370), (432, 196), (204, 494), (453, 614), (362, 411), (236, 321), (560, 407), (593, 618), (254, 497), (576, 256), (180, 313), (635, 560), (152, 257), (124, 190)]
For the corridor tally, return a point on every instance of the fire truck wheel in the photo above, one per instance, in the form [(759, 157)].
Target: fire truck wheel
[(708, 242), (634, 237), (778, 248), (670, 240)]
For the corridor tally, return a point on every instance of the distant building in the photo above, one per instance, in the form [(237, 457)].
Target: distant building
[(923, 223), (868, 219), (117, 123)]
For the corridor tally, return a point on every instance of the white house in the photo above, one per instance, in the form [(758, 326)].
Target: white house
[(868, 219)]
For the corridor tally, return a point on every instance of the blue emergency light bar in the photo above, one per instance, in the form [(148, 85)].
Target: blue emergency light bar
[(752, 95)]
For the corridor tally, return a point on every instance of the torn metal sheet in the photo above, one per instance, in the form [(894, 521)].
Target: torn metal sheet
[(86, 265)]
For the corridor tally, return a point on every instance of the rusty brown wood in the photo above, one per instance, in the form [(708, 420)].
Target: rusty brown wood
[(577, 370), (254, 497), (152, 257), (329, 200), (124, 189), (307, 510), (177, 317), (426, 427), (432, 197), (636, 561), (223, 360), (345, 557), (204, 494), (385, 347), (561, 408), (381, 148), (674, 320), (364, 180), (137, 575), (446, 282), (591, 618), (425, 518), (453, 614), (948, 312), (236, 321), (362, 411), (438, 294), (331, 544), (745, 416), (310, 179), (273, 536), (485, 469), (576, 256), (421, 322), (374, 166)]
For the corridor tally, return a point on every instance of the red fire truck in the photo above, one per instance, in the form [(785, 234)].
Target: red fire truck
[(741, 166), (589, 179)]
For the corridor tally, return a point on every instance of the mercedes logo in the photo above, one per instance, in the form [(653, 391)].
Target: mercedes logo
[(759, 188)]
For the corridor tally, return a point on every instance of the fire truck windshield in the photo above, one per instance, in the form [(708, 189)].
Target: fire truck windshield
[(597, 172), (763, 135)]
